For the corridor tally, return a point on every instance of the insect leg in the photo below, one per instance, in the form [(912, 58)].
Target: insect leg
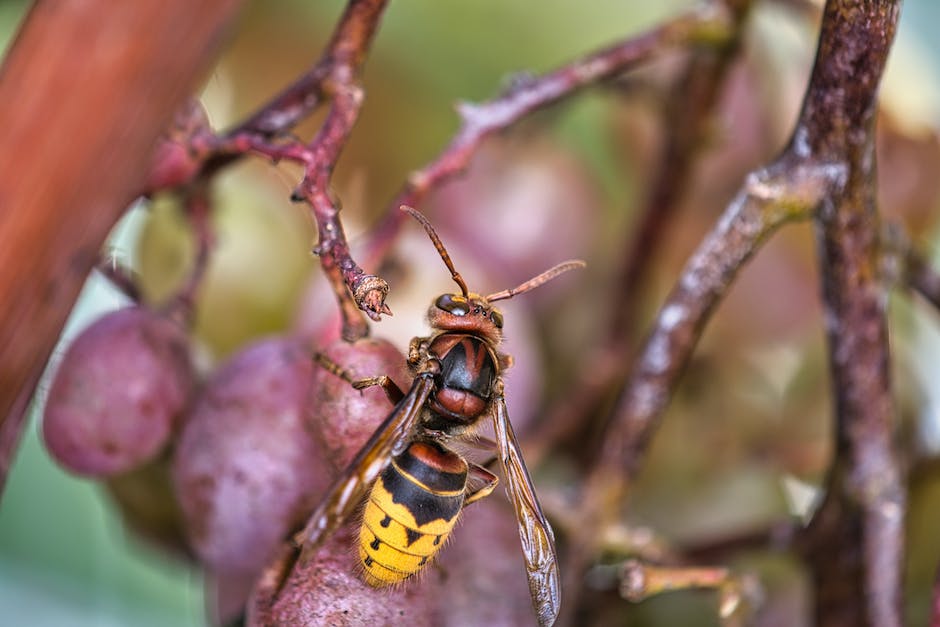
[(392, 391), (490, 481)]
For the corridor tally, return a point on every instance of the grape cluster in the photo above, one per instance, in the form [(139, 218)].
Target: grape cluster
[(223, 468)]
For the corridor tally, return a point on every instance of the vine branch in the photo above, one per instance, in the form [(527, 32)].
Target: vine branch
[(865, 502), (334, 78), (709, 24), (830, 158)]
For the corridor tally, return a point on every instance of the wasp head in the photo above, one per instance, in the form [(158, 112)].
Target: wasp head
[(471, 313)]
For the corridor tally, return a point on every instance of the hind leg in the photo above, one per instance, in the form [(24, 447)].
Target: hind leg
[(487, 483)]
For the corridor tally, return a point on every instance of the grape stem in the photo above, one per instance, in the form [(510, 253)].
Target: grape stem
[(336, 78)]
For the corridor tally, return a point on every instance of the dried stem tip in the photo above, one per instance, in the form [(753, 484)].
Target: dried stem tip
[(639, 581)]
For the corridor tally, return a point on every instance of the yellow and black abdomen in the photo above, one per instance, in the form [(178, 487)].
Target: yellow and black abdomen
[(411, 510)]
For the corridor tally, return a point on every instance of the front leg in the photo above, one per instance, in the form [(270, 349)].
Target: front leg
[(392, 391), (418, 351)]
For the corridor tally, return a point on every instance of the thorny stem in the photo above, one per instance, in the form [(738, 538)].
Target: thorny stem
[(709, 23)]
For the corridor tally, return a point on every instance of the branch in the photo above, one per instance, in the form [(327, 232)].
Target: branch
[(688, 113), (198, 206), (121, 278), (832, 148), (61, 197), (787, 190), (906, 265), (341, 81), (710, 23), (335, 77), (860, 524), (347, 48)]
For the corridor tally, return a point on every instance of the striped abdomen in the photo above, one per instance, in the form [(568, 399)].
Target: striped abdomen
[(410, 512)]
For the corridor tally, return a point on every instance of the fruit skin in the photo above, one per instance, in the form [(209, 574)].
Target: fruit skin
[(345, 418), (118, 394), (246, 469), (330, 591)]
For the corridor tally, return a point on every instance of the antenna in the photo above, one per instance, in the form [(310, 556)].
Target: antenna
[(420, 217), (534, 282)]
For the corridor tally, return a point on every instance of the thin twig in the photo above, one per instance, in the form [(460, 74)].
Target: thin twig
[(118, 276), (687, 120), (904, 265), (787, 190), (346, 54), (710, 23), (335, 77), (199, 210), (687, 116)]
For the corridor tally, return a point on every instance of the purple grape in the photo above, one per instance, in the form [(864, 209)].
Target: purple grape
[(118, 393), (329, 591), (344, 418), (246, 469)]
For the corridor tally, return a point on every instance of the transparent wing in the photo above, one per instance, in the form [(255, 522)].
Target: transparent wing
[(346, 492), (538, 541)]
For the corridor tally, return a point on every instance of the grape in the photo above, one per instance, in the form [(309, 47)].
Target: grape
[(486, 583), (246, 469), (174, 162), (118, 393), (345, 418), (329, 591), (512, 200)]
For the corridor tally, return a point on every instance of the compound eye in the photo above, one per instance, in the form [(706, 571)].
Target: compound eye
[(453, 304), (497, 319)]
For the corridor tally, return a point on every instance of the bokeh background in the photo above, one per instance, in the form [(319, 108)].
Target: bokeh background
[(745, 442)]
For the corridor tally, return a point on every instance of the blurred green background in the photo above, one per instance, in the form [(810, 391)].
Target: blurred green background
[(65, 558)]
